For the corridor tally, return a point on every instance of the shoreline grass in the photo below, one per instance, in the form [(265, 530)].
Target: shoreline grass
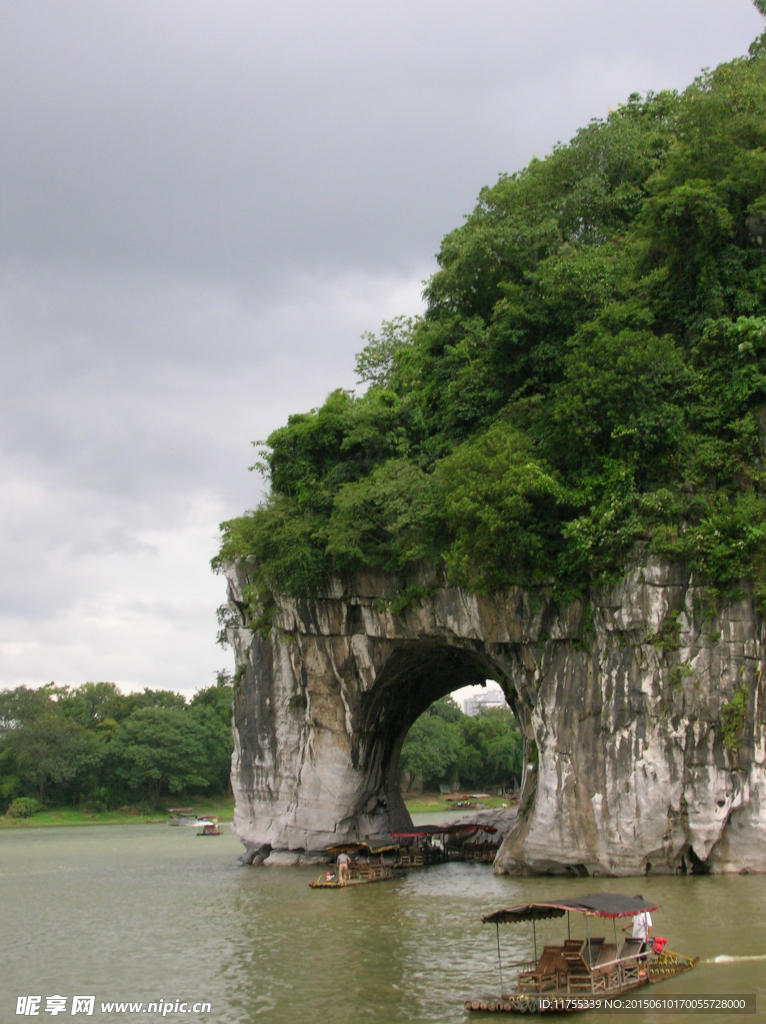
[(222, 807), (51, 817), (434, 803)]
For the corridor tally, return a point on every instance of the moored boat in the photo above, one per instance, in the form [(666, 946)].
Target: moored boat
[(182, 816), (565, 976), (210, 826), (436, 844), (365, 865)]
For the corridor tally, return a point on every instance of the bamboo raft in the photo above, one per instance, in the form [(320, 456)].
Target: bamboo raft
[(565, 978), (362, 870), (422, 847), (360, 874)]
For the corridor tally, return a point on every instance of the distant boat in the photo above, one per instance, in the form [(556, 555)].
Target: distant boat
[(567, 977), (210, 826), (182, 816)]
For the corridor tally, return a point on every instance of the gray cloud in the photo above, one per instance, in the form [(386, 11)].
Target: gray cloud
[(202, 206), (126, 418), (247, 139)]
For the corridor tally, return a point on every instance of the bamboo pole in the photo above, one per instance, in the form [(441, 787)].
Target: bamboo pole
[(617, 950), (499, 958)]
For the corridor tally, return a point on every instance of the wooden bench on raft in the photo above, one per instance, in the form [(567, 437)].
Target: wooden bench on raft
[(632, 968), (411, 857), (606, 974), (580, 956), (612, 971), (547, 973), (604, 970), (371, 872)]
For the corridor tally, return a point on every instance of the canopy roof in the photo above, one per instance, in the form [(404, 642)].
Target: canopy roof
[(443, 830), (363, 848), (600, 904)]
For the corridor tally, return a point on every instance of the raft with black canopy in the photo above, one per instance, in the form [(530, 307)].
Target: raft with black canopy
[(581, 965), (600, 904)]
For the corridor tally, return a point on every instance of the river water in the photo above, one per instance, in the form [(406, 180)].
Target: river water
[(144, 913)]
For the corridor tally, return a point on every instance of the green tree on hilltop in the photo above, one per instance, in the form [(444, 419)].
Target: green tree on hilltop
[(589, 374)]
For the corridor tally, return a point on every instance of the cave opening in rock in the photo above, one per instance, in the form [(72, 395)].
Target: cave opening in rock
[(466, 743), (415, 678)]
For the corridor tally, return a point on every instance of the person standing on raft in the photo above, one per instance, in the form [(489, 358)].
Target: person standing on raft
[(343, 862), (642, 927)]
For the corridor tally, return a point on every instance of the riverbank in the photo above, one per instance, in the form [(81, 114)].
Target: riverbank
[(221, 807)]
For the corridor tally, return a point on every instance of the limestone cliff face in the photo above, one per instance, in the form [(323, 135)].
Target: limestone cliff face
[(628, 703)]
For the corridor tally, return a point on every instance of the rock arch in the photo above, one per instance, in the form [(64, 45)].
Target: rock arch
[(623, 696), (416, 673)]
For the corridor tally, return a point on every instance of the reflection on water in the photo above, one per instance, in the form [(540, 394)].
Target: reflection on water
[(146, 913)]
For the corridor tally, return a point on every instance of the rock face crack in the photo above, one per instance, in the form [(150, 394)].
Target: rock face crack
[(633, 773)]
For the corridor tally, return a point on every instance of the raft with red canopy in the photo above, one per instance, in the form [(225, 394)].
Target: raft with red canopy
[(418, 850)]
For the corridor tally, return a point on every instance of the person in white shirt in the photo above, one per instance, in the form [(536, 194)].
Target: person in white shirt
[(642, 927)]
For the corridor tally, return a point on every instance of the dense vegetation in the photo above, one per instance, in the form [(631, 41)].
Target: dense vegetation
[(446, 746), (95, 747), (589, 375)]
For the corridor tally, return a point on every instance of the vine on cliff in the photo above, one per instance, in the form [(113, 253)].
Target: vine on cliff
[(733, 718)]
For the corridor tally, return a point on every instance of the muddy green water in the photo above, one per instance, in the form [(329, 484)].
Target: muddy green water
[(143, 913)]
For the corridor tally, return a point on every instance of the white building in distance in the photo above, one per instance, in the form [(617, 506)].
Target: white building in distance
[(483, 701)]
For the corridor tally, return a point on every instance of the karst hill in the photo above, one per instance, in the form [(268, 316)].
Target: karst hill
[(554, 478)]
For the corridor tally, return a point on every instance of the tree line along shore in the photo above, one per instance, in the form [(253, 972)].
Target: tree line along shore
[(94, 755), (96, 749)]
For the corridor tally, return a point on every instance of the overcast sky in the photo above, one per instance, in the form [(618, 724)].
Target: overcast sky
[(202, 207)]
